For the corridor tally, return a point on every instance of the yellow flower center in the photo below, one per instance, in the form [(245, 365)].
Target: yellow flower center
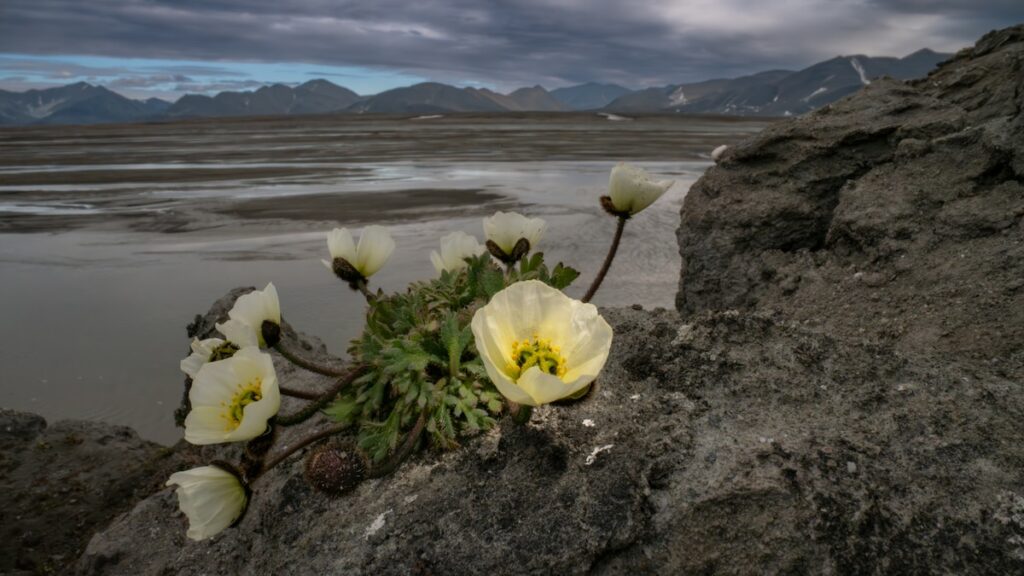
[(537, 352), (246, 394)]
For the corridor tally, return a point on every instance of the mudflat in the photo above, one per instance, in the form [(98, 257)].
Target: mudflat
[(111, 237)]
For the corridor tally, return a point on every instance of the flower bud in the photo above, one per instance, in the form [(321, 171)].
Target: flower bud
[(335, 470), (365, 259), (455, 249), (631, 189), (510, 235), (212, 497)]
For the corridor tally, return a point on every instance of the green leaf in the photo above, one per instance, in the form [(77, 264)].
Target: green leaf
[(344, 410), (562, 276)]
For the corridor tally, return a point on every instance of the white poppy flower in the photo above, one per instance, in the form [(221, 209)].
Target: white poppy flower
[(455, 248), (245, 327), (211, 497), (233, 399), (202, 352), (505, 229), (374, 249), (632, 190), (538, 345)]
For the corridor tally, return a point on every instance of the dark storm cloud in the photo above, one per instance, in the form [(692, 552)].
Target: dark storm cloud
[(502, 41)]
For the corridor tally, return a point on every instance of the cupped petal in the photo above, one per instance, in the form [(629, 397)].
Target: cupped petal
[(212, 499), (632, 189), (534, 230), (436, 260), (544, 388), (587, 354), (257, 306), (458, 246), (506, 228), (214, 390), (341, 245), (202, 350), (239, 333), (215, 382), (374, 250), (533, 310), (205, 425)]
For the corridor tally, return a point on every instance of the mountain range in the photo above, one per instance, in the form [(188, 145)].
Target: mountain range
[(769, 93)]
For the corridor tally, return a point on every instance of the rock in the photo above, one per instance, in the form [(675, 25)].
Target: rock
[(918, 184), (736, 443), (839, 392), (60, 483)]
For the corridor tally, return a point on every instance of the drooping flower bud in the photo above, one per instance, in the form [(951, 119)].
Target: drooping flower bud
[(631, 189), (510, 235), (335, 470), (354, 263), (455, 248), (212, 497)]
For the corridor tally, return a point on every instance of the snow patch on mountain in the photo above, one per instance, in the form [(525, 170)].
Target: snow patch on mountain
[(677, 98), (860, 71)]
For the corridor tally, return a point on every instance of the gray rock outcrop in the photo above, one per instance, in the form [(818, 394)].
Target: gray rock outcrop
[(840, 391), (894, 215), (60, 483)]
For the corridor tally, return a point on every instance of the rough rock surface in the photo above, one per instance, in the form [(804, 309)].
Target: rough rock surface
[(60, 483), (894, 215), (731, 443), (840, 392)]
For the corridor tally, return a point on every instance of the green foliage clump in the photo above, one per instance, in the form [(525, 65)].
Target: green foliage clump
[(420, 357)]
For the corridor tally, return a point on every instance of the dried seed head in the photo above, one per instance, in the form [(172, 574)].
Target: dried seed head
[(335, 470)]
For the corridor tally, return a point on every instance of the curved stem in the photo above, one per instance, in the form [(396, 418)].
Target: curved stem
[(306, 363), (520, 413), (403, 452), (303, 394), (316, 405), (361, 285), (299, 445), (607, 260)]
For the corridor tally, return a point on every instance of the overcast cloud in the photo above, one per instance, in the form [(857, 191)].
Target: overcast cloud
[(501, 43)]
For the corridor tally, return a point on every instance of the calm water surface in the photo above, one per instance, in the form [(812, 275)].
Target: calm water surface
[(113, 238)]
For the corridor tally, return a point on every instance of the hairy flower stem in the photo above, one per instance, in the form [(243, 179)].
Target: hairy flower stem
[(299, 445), (316, 405), (391, 464), (306, 363), (362, 287), (520, 413), (607, 260)]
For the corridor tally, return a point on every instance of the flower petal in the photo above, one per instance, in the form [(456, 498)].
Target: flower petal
[(341, 245), (210, 497), (435, 259), (375, 247), (533, 310), (545, 388), (506, 228), (631, 188), (239, 333), (214, 390)]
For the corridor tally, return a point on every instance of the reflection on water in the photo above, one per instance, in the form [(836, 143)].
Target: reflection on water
[(96, 294)]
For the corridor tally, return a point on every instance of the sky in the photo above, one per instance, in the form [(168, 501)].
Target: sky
[(164, 48)]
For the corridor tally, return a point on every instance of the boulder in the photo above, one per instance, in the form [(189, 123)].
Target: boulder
[(894, 215)]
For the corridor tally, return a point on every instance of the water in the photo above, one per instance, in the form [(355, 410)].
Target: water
[(113, 238)]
